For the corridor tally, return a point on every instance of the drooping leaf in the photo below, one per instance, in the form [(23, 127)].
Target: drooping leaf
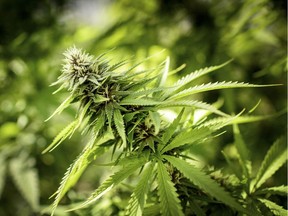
[(66, 132), (26, 180), (204, 182), (274, 159), (139, 195), (119, 123), (274, 208), (76, 169), (169, 201), (114, 180), (64, 105), (212, 86)]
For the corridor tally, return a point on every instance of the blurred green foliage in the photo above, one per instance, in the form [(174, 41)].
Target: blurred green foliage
[(199, 33)]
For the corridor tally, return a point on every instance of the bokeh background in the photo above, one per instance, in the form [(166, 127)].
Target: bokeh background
[(198, 33)]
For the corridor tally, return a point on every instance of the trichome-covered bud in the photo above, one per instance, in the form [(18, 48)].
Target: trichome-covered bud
[(77, 68)]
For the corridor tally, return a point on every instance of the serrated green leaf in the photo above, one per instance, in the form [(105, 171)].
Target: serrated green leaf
[(118, 65), (168, 133), (66, 132), (139, 102), (26, 180), (133, 94), (113, 180), (98, 124), (119, 123), (242, 151), (169, 201), (152, 210), (276, 209), (192, 76), (139, 195), (212, 86), (99, 98), (139, 63), (274, 159), (64, 105), (188, 137), (137, 86), (192, 103), (74, 172), (83, 112), (239, 120), (279, 190), (204, 182), (156, 120)]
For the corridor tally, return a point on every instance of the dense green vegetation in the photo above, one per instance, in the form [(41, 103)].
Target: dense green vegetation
[(248, 160)]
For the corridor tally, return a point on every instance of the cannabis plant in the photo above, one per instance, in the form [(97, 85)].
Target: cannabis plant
[(124, 112), (248, 185)]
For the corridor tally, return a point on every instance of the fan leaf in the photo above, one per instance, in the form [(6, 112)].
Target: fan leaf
[(274, 159), (74, 172), (168, 133), (133, 94), (169, 201), (192, 76), (139, 102), (119, 123), (212, 86), (114, 180), (276, 209), (64, 105), (66, 132), (279, 190), (204, 182), (26, 180), (192, 103), (188, 137), (139, 195)]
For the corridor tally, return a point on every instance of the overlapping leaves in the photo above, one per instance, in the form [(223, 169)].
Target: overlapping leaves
[(120, 105)]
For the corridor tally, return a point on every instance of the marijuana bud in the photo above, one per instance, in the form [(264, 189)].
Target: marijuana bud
[(77, 68)]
